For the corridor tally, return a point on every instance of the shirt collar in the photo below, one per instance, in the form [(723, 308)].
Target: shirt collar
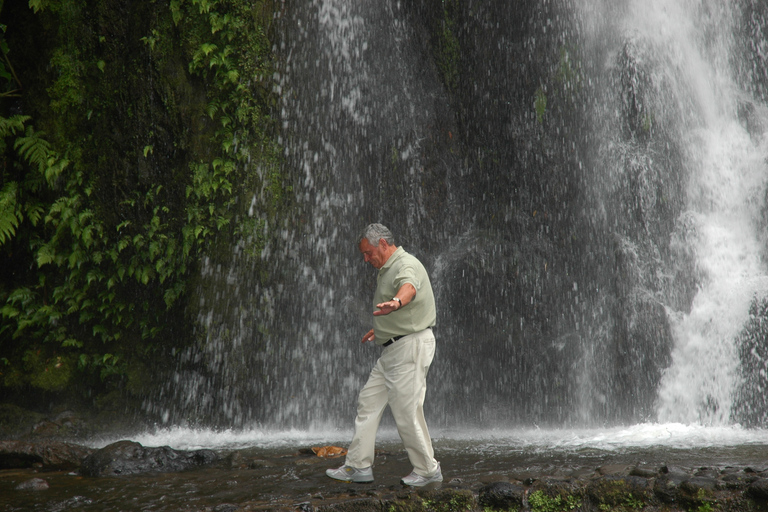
[(398, 252)]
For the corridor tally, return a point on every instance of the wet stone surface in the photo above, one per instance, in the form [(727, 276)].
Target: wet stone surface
[(294, 479)]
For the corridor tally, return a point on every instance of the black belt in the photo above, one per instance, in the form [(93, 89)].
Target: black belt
[(392, 340)]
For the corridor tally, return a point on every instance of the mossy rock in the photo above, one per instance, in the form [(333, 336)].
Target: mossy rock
[(358, 505), (16, 421), (554, 499), (620, 493), (448, 500)]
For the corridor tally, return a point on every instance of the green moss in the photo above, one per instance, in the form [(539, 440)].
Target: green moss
[(539, 501), (49, 374), (15, 421), (617, 495), (448, 49), (704, 501), (448, 501)]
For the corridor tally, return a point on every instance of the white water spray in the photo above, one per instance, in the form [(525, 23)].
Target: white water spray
[(727, 181)]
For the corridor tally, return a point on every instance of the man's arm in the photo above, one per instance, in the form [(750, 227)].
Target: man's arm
[(405, 294)]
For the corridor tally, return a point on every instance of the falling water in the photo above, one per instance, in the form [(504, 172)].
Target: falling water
[(700, 385), (683, 62), (724, 196), (582, 185)]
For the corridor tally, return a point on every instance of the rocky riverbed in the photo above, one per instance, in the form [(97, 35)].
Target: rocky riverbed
[(50, 473)]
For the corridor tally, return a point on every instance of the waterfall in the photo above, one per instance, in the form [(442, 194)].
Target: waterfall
[(687, 50), (725, 195), (585, 182)]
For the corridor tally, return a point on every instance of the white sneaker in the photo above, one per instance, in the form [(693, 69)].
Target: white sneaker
[(350, 474), (420, 481)]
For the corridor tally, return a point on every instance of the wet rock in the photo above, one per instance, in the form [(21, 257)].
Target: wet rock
[(698, 483), (225, 507), (758, 489), (354, 505), (260, 463), (707, 472), (675, 471), (34, 484), (696, 491), (614, 469), (644, 471), (48, 454), (74, 502), (502, 496), (749, 118), (46, 428), (305, 507), (130, 458), (584, 473), (667, 486), (738, 479)]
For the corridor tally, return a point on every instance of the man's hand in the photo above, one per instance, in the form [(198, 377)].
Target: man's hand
[(386, 308), (368, 336)]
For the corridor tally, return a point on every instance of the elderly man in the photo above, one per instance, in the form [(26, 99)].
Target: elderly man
[(402, 325)]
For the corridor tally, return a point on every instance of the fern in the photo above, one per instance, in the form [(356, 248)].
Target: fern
[(12, 125), (10, 217), (35, 149)]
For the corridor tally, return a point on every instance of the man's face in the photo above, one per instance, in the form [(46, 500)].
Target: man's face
[(374, 254)]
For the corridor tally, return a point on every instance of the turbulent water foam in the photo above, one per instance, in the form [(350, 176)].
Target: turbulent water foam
[(641, 436)]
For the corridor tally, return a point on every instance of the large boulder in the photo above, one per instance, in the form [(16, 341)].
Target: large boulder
[(48, 454), (130, 458)]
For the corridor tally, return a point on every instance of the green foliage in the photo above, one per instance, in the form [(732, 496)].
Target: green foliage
[(541, 502), (228, 46), (10, 86), (449, 502), (68, 90), (448, 53), (99, 260), (10, 217), (569, 73), (705, 501), (615, 495), (625, 503)]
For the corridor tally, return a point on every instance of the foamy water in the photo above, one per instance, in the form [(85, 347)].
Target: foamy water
[(635, 437)]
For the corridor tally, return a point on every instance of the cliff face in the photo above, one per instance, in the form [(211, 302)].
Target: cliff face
[(482, 133), (219, 158)]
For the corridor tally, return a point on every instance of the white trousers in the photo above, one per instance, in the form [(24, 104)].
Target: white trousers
[(399, 379)]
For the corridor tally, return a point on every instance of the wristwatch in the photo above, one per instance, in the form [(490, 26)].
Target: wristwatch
[(398, 301)]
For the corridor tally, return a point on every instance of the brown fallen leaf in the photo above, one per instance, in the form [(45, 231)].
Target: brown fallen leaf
[(329, 451)]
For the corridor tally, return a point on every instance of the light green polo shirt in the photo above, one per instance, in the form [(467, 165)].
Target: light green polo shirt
[(418, 314)]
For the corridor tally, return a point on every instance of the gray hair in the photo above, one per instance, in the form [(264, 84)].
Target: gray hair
[(375, 232)]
